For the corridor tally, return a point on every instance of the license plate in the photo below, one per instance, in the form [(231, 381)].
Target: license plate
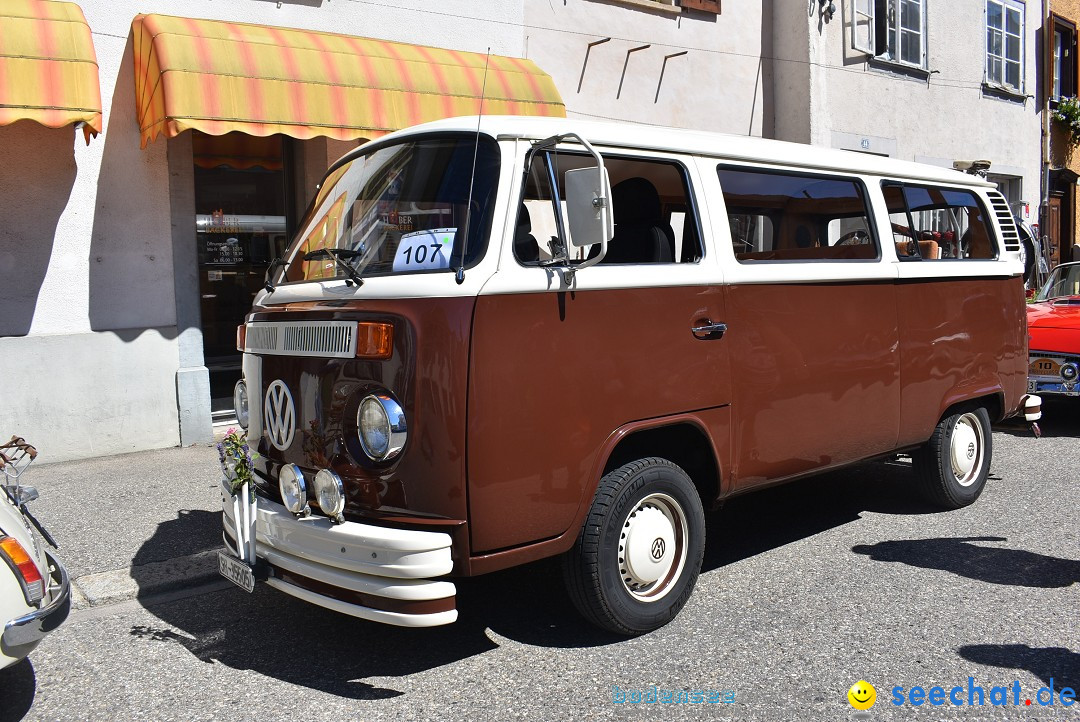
[(1033, 386), (236, 572), (1044, 367)]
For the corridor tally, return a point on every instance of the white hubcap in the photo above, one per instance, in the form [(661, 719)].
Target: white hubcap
[(649, 546), (652, 547), (966, 449)]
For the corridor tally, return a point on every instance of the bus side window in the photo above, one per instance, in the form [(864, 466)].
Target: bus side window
[(795, 216), (936, 223), (650, 198)]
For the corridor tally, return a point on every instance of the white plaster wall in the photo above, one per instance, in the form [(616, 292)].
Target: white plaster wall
[(721, 84), (938, 119), (90, 341), (90, 394)]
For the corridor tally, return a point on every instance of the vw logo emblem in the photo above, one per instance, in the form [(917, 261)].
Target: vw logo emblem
[(658, 548), (279, 415)]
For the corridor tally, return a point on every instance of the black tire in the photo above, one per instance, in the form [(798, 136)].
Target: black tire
[(642, 509), (954, 464)]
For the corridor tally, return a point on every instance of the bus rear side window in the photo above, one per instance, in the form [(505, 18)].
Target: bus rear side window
[(934, 223), (782, 216)]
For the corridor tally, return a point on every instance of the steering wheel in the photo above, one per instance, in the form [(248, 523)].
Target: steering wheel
[(854, 238)]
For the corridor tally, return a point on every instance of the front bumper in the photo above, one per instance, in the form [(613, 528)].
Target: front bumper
[(372, 572), (31, 628)]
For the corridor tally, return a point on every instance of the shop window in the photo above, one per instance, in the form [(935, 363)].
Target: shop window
[(240, 228), (891, 30), (932, 223), (1064, 78), (1005, 44), (779, 216)]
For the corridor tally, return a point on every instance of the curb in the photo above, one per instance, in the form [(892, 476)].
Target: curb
[(104, 588)]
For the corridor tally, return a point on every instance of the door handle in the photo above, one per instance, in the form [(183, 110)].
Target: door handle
[(708, 330)]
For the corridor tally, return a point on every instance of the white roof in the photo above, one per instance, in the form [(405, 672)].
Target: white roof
[(697, 142)]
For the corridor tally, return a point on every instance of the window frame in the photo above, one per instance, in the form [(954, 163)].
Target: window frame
[(1066, 29), (883, 20), (1002, 83), (867, 17)]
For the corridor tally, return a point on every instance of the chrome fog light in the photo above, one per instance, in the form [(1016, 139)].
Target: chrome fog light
[(1069, 372), (381, 425), (330, 493), (292, 487), (240, 403)]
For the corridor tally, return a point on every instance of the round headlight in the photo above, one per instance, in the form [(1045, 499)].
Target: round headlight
[(381, 424), (1069, 372), (240, 403), (292, 487), (330, 493)]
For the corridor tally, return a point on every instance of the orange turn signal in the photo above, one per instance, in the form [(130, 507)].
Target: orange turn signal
[(374, 340), (241, 337), (32, 582)]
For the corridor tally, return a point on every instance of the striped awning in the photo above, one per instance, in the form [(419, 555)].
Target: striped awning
[(48, 69), (219, 77)]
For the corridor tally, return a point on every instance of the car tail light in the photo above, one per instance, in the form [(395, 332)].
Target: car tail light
[(374, 340), (25, 570), (241, 337)]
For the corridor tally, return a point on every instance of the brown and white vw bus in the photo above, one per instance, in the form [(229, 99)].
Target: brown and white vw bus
[(504, 339)]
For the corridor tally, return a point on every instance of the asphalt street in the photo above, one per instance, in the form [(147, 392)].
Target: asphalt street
[(807, 588)]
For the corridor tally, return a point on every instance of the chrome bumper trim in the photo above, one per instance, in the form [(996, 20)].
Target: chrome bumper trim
[(32, 628), (391, 564)]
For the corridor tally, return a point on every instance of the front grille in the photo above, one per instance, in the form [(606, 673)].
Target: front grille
[(321, 339), (1009, 234)]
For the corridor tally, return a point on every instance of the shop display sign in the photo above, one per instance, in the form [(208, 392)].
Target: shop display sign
[(223, 251)]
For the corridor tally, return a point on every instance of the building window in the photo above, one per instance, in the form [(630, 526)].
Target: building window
[(1005, 44), (892, 30), (1064, 79)]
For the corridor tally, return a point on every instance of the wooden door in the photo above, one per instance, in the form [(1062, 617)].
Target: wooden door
[(1053, 230)]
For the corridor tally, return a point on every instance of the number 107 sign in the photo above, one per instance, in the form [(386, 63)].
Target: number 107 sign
[(425, 250)]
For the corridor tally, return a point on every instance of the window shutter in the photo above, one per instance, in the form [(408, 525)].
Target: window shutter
[(708, 6), (1071, 64)]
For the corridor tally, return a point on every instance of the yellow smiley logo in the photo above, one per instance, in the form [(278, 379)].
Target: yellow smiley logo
[(862, 695)]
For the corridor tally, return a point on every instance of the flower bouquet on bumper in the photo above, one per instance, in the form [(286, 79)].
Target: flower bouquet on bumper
[(237, 466)]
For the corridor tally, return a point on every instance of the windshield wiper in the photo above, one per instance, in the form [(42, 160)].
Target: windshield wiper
[(277, 263), (339, 255)]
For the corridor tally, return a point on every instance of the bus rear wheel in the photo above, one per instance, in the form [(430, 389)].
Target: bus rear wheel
[(954, 464)]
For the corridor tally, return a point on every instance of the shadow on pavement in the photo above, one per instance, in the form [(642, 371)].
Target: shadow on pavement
[(764, 520), (1057, 667), (18, 684), (275, 635), (193, 531), (1014, 567)]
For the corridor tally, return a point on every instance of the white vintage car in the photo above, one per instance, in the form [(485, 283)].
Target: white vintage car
[(34, 588)]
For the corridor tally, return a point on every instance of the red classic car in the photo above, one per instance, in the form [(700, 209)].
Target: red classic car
[(1054, 328)]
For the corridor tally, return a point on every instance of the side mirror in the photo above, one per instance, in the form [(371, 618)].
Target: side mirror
[(588, 208)]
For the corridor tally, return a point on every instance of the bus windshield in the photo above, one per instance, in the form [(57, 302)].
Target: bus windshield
[(401, 208)]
